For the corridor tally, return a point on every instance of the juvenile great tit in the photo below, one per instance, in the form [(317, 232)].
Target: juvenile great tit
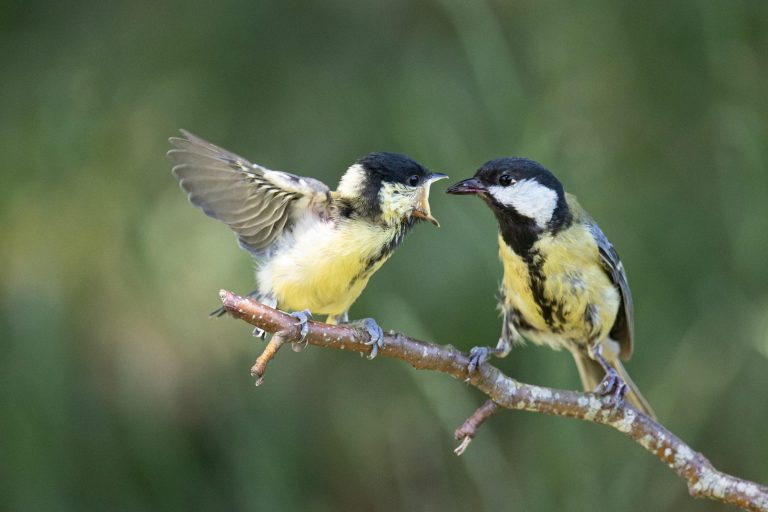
[(564, 285), (315, 249)]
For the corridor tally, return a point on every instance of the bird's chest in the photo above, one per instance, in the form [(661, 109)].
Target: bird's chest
[(558, 294), (325, 266)]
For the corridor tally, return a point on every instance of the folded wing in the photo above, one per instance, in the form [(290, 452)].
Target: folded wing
[(623, 327), (258, 204)]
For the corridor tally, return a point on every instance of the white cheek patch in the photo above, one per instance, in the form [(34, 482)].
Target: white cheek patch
[(529, 198), (396, 201), (352, 181)]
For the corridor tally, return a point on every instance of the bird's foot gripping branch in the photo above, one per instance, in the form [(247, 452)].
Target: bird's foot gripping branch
[(703, 480)]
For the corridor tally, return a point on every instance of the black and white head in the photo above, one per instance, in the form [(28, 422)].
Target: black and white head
[(520, 192), (389, 187)]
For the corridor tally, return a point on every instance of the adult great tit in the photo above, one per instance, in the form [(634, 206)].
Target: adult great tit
[(564, 285), (315, 249)]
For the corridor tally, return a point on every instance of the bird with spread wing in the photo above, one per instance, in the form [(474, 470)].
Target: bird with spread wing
[(315, 248)]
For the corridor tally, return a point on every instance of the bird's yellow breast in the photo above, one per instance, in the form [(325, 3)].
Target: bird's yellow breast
[(325, 267), (559, 291)]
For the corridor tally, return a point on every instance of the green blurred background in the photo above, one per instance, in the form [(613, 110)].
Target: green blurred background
[(118, 393)]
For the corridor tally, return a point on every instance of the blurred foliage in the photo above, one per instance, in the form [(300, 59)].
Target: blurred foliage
[(116, 391)]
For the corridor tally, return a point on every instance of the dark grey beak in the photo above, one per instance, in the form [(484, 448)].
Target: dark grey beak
[(437, 176), (470, 186)]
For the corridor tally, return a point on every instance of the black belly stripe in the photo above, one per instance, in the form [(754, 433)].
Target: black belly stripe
[(552, 311), (520, 323)]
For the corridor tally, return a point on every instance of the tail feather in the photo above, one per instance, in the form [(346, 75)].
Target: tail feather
[(592, 373)]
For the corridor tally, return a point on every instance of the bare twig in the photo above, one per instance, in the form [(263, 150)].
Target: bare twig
[(467, 431), (704, 481), (259, 368)]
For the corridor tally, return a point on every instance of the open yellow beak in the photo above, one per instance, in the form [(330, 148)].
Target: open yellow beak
[(421, 210)]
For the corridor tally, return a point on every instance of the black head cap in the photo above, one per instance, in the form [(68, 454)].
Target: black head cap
[(394, 168), (523, 213), (518, 169)]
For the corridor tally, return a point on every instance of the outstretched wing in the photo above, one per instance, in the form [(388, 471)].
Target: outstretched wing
[(256, 203), (623, 328)]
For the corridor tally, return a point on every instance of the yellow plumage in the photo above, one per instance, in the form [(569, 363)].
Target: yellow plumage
[(315, 248), (567, 264), (564, 285), (325, 269)]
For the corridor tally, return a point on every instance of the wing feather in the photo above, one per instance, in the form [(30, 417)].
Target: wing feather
[(258, 204), (623, 328)]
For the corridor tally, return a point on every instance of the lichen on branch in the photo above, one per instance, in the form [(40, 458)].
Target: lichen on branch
[(703, 480)]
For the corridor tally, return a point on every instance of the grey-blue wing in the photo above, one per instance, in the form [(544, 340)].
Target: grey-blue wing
[(623, 328)]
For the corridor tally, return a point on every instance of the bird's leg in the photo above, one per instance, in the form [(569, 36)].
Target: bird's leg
[(259, 368), (303, 317), (375, 333), (612, 383), (479, 355), (375, 336), (343, 318)]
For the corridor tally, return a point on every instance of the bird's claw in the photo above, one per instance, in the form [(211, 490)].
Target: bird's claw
[(612, 385), (259, 333), (375, 336), (478, 356), (302, 317)]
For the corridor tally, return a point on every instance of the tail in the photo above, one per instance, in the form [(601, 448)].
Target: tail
[(592, 373)]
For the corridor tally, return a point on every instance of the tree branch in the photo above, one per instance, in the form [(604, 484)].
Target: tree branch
[(704, 481), (468, 430)]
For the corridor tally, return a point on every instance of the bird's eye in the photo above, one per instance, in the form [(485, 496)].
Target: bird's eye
[(414, 180), (506, 180)]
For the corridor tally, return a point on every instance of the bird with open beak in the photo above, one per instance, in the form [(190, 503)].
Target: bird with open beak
[(315, 248)]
